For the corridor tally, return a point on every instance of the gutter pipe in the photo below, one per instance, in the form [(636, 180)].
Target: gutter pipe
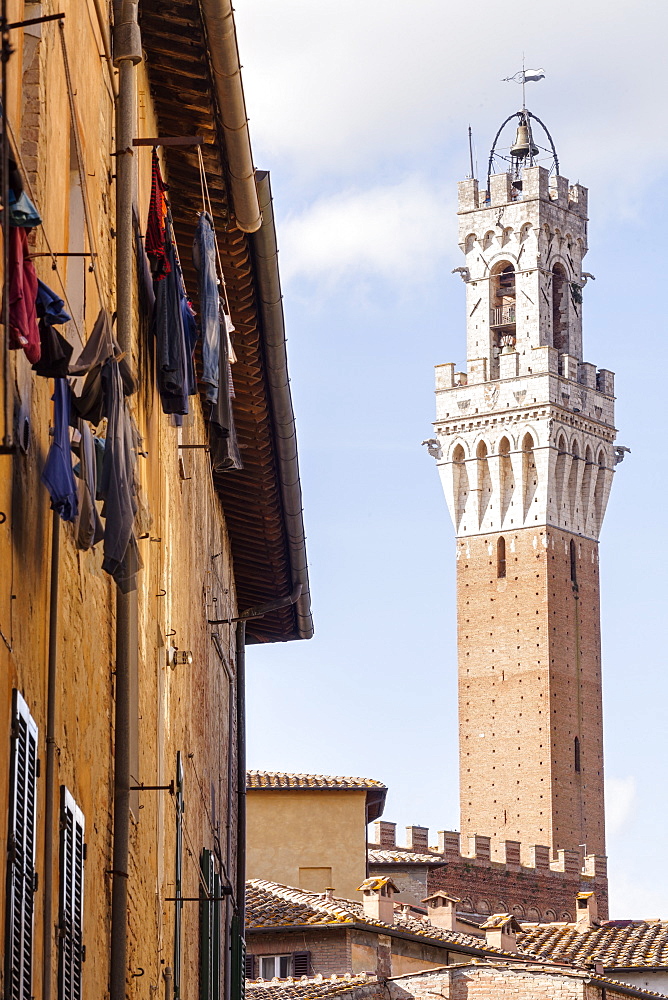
[(265, 253), (127, 53), (47, 946), (218, 16)]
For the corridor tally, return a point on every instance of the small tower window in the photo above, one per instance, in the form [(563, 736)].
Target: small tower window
[(576, 747), (574, 566), (560, 309), (501, 558)]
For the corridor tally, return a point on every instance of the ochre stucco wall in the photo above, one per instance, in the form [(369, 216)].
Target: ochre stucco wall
[(289, 830)]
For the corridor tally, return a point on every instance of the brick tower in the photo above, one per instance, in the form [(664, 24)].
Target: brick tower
[(524, 446)]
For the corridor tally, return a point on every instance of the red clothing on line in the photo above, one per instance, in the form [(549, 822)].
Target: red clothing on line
[(23, 329)]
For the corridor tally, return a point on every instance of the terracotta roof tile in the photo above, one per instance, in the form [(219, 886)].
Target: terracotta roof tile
[(397, 856), (269, 904), (616, 944), (282, 779), (304, 989)]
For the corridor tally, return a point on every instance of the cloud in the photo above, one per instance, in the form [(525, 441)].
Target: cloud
[(620, 794), (400, 232), (343, 86)]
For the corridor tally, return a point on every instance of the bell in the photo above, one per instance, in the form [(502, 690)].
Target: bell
[(523, 146)]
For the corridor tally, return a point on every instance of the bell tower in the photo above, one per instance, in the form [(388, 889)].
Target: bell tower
[(525, 452)]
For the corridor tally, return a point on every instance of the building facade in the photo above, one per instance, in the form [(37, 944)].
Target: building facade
[(525, 450), (309, 830), (122, 776)]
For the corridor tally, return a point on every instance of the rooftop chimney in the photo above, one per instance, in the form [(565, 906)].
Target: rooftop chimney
[(586, 911), (500, 931), (385, 834), (378, 899), (442, 910)]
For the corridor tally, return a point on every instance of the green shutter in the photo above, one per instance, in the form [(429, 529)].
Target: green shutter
[(209, 928)]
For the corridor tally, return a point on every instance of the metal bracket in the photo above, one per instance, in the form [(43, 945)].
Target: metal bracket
[(154, 788), (34, 20)]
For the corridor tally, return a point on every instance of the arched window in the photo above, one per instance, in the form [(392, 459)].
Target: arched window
[(576, 749), (574, 565), (529, 472), (460, 483), (560, 309), (501, 558), (507, 477), (484, 481), (502, 301)]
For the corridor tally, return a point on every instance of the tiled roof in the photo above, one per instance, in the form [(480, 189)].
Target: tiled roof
[(281, 779), (304, 989), (269, 904), (396, 856), (617, 944)]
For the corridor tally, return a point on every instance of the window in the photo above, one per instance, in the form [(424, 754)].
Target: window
[(70, 924), (573, 559), (275, 965), (560, 309), (501, 557), (21, 853), (209, 928), (576, 748)]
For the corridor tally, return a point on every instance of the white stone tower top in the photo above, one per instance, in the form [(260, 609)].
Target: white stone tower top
[(524, 437)]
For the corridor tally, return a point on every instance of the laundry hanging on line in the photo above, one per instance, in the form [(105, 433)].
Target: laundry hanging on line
[(117, 486), (55, 349), (23, 329), (175, 334), (58, 474), (89, 530), (154, 242), (101, 345)]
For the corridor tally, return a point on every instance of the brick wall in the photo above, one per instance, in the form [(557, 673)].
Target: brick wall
[(529, 684), (537, 894)]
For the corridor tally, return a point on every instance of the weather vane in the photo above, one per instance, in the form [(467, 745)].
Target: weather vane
[(525, 76)]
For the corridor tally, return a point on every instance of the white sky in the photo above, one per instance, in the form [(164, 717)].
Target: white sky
[(360, 109)]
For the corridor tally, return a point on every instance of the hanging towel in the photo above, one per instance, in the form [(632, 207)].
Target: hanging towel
[(23, 330), (154, 243), (57, 474), (117, 486)]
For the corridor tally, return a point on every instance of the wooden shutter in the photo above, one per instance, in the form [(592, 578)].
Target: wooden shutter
[(301, 963), (21, 852), (70, 925), (209, 928), (250, 966)]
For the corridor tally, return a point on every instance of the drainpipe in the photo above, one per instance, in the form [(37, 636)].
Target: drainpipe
[(259, 611), (126, 53), (218, 17), (47, 949)]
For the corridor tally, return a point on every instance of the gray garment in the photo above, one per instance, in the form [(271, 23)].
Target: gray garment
[(117, 487), (204, 259), (89, 530)]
